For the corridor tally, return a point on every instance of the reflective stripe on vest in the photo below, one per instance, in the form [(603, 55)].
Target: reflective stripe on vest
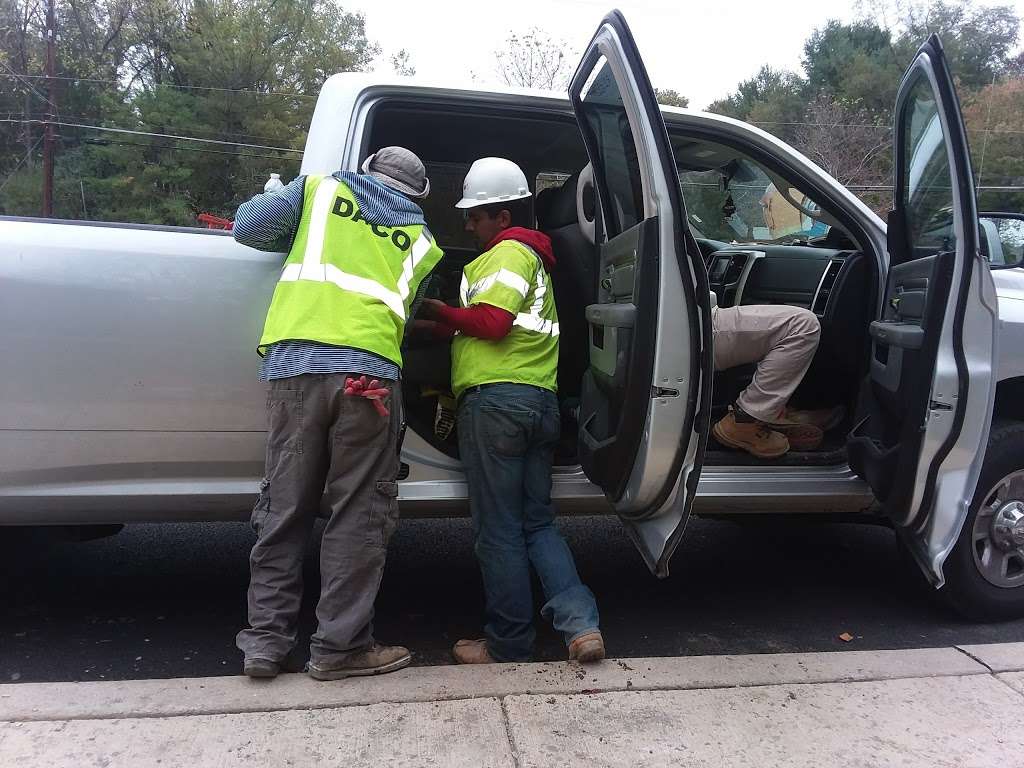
[(533, 321), (530, 321), (314, 269)]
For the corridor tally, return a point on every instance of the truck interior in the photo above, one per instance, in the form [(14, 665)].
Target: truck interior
[(765, 240)]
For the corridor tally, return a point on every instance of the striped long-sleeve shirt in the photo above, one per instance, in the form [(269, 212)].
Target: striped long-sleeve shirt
[(269, 222)]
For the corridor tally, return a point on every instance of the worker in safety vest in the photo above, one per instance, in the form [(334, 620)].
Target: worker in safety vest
[(358, 247), (504, 369)]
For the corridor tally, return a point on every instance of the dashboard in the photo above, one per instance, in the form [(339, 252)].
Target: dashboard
[(797, 275)]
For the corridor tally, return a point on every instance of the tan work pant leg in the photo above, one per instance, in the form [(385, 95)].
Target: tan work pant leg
[(780, 339)]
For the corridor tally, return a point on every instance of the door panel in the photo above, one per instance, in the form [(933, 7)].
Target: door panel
[(131, 356), (920, 440), (644, 404)]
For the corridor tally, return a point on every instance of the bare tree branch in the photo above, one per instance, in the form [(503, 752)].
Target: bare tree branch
[(534, 60)]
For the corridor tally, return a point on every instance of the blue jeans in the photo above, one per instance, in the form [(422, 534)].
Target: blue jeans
[(507, 434)]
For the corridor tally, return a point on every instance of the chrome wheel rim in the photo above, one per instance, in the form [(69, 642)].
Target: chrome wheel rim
[(998, 535)]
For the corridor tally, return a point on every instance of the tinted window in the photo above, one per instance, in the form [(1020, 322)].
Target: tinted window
[(617, 168), (927, 191)]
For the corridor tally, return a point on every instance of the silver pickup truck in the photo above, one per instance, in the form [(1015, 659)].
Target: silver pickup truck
[(130, 393)]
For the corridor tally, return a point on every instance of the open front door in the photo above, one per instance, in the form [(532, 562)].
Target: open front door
[(645, 409), (927, 409)]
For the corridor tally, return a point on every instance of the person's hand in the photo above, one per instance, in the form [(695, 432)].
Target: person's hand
[(371, 390), (430, 309), (429, 330)]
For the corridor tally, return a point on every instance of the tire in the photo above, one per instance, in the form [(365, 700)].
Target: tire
[(968, 590)]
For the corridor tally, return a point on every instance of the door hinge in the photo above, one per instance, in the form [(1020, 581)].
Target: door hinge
[(935, 405), (663, 392)]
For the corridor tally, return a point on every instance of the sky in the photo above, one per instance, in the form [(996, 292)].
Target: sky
[(701, 49)]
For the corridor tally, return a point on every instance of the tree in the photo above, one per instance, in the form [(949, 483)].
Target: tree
[(994, 116), (774, 99), (534, 60), (855, 63), (850, 144), (402, 64), (671, 98), (245, 71), (978, 40)]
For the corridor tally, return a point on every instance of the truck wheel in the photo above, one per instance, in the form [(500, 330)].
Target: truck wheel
[(985, 571)]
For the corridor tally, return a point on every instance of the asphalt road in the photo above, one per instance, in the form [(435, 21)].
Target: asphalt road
[(165, 601)]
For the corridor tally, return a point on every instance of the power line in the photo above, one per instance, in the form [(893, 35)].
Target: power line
[(870, 125), (255, 92), (157, 135), (106, 142), (24, 79), (21, 117)]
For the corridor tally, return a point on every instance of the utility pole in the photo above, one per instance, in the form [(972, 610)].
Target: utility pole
[(51, 111)]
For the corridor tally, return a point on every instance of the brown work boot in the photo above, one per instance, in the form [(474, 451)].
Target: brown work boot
[(375, 660), (473, 652), (754, 437), (587, 648), (802, 437), (824, 419)]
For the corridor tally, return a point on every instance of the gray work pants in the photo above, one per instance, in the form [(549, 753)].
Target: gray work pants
[(320, 441), (782, 341)]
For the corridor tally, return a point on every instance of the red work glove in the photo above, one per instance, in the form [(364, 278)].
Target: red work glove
[(371, 390)]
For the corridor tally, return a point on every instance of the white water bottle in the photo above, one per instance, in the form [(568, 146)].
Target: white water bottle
[(274, 185)]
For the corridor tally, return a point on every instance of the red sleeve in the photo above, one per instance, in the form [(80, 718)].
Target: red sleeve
[(480, 320)]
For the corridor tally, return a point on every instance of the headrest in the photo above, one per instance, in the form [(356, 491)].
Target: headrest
[(556, 206)]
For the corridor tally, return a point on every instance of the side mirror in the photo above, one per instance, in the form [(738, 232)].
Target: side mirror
[(1002, 239)]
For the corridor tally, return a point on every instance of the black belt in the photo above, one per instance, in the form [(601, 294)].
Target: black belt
[(482, 387)]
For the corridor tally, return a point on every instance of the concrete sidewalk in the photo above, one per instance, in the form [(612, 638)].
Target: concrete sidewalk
[(927, 707)]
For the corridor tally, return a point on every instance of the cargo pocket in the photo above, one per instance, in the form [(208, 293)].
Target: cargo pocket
[(284, 420), (262, 508), (383, 513)]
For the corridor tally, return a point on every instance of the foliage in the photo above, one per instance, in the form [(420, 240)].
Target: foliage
[(852, 145), (772, 98), (995, 129), (855, 64), (671, 98), (242, 72), (838, 110), (247, 72)]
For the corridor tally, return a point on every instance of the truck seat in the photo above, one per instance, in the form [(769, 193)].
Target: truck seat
[(573, 279)]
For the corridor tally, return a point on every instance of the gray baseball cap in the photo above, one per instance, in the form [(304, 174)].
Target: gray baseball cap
[(399, 169)]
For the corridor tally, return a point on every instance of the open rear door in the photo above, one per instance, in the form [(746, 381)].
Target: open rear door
[(927, 409), (644, 411)]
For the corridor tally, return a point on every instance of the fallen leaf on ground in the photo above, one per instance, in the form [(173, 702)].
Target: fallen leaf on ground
[(846, 637)]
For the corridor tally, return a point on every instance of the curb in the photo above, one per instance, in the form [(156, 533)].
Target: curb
[(23, 702)]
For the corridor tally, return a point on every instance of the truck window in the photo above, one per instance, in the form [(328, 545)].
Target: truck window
[(732, 197)]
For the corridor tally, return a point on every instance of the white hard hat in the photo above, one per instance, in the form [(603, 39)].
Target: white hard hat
[(493, 180)]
